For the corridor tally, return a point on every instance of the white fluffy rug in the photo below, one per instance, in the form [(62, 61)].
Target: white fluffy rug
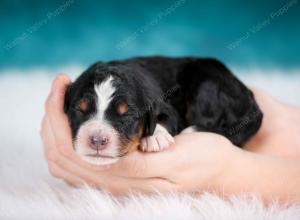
[(27, 191)]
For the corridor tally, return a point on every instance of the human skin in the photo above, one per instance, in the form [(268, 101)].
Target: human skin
[(196, 162), (279, 133)]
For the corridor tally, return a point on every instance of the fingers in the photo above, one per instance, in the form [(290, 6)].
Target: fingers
[(50, 150), (58, 90), (55, 112), (57, 172), (115, 184), (53, 157), (145, 186)]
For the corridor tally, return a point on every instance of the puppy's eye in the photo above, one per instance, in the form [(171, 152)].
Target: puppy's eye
[(83, 105), (122, 108)]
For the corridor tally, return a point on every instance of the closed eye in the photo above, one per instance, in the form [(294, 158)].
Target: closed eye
[(82, 106), (122, 108)]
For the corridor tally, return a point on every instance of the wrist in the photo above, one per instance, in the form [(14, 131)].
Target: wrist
[(231, 165)]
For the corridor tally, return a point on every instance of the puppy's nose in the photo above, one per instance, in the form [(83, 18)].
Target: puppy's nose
[(98, 142)]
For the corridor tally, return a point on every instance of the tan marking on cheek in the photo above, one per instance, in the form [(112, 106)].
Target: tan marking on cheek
[(122, 108), (83, 105), (133, 144)]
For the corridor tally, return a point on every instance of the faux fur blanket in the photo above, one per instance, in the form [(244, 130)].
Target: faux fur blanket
[(27, 191)]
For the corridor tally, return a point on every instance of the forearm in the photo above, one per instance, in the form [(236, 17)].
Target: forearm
[(268, 176)]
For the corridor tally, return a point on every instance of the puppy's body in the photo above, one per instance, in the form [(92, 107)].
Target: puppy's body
[(144, 100)]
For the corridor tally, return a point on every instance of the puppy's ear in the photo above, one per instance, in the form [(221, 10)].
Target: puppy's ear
[(68, 97), (150, 120)]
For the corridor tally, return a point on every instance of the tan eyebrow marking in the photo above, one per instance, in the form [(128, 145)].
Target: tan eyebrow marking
[(122, 108), (84, 105)]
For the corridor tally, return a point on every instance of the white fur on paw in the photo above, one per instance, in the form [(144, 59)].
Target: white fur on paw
[(189, 129), (160, 140)]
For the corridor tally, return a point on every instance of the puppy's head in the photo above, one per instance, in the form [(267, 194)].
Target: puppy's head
[(108, 115)]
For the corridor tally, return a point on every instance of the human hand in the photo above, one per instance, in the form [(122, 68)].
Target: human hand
[(197, 161)]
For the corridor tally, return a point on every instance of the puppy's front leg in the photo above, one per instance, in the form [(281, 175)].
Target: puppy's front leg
[(160, 140)]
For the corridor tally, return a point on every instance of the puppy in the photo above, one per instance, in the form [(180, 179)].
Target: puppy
[(116, 107)]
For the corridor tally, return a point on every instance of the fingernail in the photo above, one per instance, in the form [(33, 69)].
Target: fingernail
[(63, 77)]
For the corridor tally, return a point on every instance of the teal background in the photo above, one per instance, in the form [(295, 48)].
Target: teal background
[(83, 32)]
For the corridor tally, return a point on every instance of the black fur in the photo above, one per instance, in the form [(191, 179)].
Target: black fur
[(175, 92)]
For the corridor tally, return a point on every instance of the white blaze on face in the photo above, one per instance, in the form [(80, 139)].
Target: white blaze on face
[(99, 125), (104, 92)]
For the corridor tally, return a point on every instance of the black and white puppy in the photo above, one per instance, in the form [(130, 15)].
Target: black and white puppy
[(115, 107)]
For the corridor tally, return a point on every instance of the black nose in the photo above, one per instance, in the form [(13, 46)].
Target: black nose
[(98, 142)]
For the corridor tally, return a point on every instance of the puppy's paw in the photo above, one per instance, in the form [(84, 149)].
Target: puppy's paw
[(160, 140)]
